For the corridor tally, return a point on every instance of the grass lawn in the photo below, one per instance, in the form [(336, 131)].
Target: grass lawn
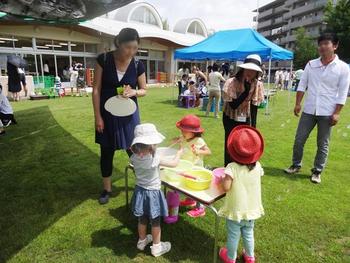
[(50, 181)]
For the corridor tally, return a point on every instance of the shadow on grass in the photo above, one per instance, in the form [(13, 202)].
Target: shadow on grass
[(45, 172), (183, 236), (170, 102), (273, 171)]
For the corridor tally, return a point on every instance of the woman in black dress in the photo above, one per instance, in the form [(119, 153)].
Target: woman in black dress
[(114, 69), (14, 81)]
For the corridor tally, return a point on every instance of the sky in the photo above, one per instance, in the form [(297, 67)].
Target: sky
[(216, 14)]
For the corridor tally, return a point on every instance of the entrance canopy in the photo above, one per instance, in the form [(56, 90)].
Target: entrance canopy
[(54, 11), (234, 45)]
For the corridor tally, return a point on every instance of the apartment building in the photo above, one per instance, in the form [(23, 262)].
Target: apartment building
[(279, 20)]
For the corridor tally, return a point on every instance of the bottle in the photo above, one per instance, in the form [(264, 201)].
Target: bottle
[(173, 200)]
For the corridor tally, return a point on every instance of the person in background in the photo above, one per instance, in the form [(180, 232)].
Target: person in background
[(277, 79), (225, 70), (287, 78), (46, 68), (22, 74), (326, 81), (6, 111), (298, 75), (191, 89), (238, 93), (214, 89), (199, 75), (14, 81), (182, 84), (257, 99), (242, 184), (73, 71), (65, 74)]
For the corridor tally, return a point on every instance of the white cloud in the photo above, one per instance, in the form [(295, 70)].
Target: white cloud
[(216, 14)]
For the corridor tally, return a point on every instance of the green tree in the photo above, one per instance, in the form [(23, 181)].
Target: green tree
[(337, 18), (305, 48)]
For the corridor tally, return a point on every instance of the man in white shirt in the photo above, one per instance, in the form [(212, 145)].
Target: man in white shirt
[(6, 112), (326, 81)]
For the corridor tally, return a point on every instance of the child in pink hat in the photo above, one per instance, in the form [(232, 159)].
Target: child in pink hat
[(242, 185)]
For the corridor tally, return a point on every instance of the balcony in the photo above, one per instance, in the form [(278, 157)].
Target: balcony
[(266, 33), (264, 24), (266, 13), (308, 8), (280, 9), (306, 22)]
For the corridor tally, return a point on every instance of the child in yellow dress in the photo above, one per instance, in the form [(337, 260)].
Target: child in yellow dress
[(242, 184), (194, 149)]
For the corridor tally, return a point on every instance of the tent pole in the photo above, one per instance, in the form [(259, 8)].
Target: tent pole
[(174, 81), (290, 81), (268, 88)]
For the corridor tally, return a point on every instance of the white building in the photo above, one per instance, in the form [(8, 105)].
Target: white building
[(59, 45)]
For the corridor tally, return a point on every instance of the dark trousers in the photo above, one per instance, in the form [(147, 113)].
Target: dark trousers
[(253, 115), (8, 117), (229, 124), (106, 160)]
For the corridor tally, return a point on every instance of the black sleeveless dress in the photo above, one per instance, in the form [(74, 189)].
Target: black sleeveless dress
[(118, 132)]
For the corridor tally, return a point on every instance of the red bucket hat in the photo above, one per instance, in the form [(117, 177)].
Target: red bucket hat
[(190, 123), (245, 144)]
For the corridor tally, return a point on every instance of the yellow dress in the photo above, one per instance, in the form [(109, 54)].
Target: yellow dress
[(243, 200), (188, 154)]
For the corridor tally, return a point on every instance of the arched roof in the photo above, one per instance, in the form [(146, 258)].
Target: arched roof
[(183, 25), (125, 13)]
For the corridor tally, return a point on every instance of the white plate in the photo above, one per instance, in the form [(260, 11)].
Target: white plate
[(119, 106)]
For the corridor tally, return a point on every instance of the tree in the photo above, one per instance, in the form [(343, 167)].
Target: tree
[(305, 49), (337, 18)]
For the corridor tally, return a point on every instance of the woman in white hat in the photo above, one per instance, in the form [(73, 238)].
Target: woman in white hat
[(238, 93)]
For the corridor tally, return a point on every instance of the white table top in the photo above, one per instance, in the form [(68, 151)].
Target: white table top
[(207, 197)]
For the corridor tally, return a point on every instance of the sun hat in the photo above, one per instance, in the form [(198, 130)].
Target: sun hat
[(147, 134), (252, 62), (190, 123), (245, 144)]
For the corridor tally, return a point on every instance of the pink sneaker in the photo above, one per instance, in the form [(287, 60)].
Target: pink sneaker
[(224, 257), (188, 202), (171, 219), (248, 259), (197, 212)]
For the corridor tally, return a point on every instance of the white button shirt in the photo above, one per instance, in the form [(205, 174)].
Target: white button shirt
[(326, 86)]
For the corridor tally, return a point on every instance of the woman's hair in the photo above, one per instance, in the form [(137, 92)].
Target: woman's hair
[(239, 75), (139, 148), (191, 82), (215, 67), (250, 166), (126, 35), (225, 69), (210, 68)]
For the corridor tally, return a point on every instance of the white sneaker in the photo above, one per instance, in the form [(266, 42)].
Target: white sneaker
[(316, 178), (293, 169), (160, 249), (141, 244)]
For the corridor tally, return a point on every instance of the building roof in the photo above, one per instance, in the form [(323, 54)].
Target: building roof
[(269, 5), (182, 25), (113, 27)]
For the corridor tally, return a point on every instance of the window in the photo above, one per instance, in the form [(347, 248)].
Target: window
[(155, 54), (91, 48), (7, 41), (195, 28), (77, 47), (144, 15)]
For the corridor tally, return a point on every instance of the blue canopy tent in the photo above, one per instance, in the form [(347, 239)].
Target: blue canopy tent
[(235, 45)]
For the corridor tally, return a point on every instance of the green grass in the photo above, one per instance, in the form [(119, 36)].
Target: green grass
[(49, 182)]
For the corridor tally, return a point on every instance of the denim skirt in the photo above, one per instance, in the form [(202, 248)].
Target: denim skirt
[(150, 203)]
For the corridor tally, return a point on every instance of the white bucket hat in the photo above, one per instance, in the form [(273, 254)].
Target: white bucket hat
[(252, 62), (147, 134)]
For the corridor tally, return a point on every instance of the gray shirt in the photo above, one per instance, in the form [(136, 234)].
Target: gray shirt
[(147, 171)]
